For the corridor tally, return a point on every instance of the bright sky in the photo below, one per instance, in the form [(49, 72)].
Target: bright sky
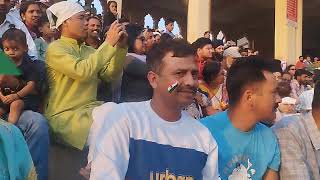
[(147, 20)]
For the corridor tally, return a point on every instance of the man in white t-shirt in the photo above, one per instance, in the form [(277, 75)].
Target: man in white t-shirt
[(156, 139)]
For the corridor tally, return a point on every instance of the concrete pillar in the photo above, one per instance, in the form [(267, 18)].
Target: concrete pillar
[(199, 18), (288, 35)]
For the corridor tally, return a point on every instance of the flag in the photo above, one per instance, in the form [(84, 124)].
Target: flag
[(7, 66)]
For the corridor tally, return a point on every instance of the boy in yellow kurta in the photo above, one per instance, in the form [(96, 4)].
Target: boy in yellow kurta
[(74, 70)]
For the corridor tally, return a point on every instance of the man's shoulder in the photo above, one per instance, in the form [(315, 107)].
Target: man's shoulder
[(57, 44), (195, 124), (121, 109), (289, 125), (266, 132), (214, 120)]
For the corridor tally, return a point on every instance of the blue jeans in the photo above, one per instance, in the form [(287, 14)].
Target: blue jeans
[(35, 131)]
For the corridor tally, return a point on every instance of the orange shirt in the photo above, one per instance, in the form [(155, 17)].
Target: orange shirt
[(300, 65)]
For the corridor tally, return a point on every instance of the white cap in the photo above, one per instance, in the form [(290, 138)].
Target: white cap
[(62, 10), (232, 51), (288, 100)]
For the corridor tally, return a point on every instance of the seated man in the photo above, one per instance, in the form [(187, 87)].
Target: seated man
[(249, 149), (155, 139), (74, 70), (299, 139)]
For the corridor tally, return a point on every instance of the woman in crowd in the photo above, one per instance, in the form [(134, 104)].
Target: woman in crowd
[(135, 85), (291, 69), (212, 86), (110, 14), (30, 13), (286, 76)]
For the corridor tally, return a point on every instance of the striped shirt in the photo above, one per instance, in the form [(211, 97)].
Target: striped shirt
[(299, 140)]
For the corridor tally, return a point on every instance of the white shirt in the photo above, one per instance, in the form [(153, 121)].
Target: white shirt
[(135, 143), (305, 100), (11, 19)]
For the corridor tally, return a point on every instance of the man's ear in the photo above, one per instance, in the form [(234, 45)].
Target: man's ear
[(152, 77), (40, 29), (23, 16), (249, 97)]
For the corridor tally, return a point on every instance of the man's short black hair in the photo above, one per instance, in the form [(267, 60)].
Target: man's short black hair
[(316, 96), (168, 21), (16, 35), (179, 48), (207, 32), (200, 43), (211, 71), (300, 72), (94, 17), (165, 37), (276, 66), (300, 57), (246, 71)]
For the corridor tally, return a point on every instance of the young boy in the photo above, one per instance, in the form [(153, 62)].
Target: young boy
[(47, 36), (18, 92)]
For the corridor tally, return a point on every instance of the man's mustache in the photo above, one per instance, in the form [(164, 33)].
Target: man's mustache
[(182, 88)]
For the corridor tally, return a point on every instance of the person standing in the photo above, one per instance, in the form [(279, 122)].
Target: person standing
[(203, 51), (169, 23)]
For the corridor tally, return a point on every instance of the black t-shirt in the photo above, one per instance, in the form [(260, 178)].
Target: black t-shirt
[(29, 70)]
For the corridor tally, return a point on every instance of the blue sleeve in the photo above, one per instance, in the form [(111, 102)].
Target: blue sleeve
[(207, 122), (275, 163)]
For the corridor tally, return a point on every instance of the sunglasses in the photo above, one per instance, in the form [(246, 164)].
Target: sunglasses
[(293, 69)]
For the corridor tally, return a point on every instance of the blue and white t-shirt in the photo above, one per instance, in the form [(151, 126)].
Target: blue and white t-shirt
[(243, 155), (134, 143)]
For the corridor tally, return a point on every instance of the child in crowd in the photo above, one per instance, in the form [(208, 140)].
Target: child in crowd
[(18, 93), (47, 36)]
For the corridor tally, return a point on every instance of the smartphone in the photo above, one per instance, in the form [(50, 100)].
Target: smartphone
[(6, 91)]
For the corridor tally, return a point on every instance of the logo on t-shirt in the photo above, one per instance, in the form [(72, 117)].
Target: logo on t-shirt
[(168, 176), (242, 173)]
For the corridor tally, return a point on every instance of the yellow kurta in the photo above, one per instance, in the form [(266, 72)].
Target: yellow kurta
[(73, 74)]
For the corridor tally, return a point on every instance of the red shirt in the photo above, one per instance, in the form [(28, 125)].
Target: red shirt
[(300, 65), (201, 64)]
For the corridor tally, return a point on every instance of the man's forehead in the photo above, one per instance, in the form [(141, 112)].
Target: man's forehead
[(169, 58), (94, 21)]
